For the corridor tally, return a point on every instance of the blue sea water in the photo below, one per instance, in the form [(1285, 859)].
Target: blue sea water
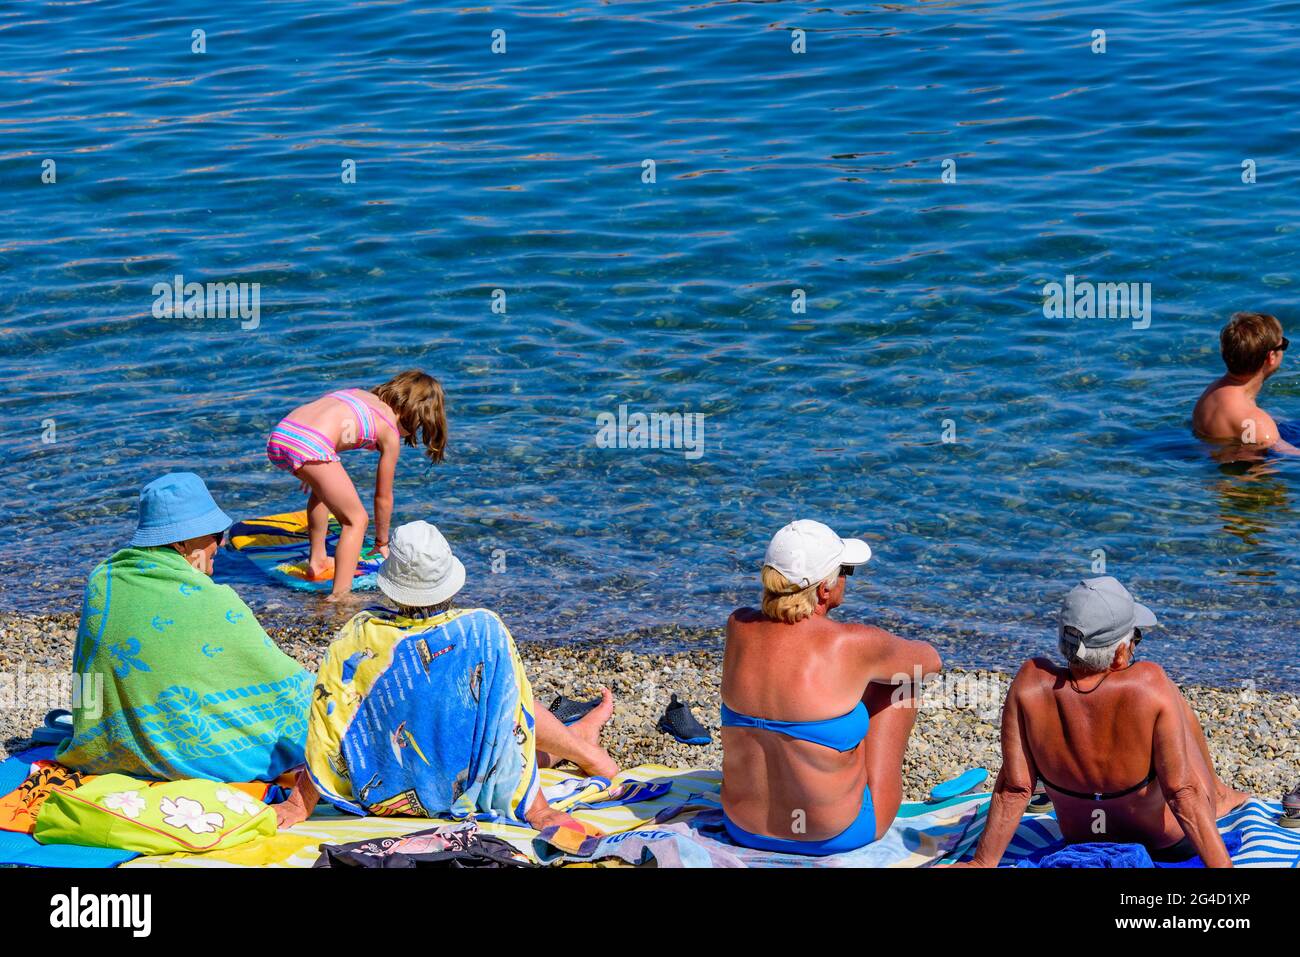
[(775, 171)]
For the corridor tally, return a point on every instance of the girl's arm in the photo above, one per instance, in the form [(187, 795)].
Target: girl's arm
[(388, 453)]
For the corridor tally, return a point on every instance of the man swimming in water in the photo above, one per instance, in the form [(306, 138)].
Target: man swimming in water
[(1252, 346)]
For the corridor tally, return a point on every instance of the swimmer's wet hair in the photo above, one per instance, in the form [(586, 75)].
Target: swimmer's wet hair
[(420, 405), (1247, 339)]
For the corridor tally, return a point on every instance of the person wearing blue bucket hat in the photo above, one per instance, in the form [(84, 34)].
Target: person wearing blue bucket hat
[(159, 637), (177, 509), (1119, 751)]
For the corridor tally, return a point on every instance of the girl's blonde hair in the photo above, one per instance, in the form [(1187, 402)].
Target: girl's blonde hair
[(783, 600), (418, 400)]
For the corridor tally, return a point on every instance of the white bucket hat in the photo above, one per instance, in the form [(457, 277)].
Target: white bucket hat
[(420, 569), (806, 552)]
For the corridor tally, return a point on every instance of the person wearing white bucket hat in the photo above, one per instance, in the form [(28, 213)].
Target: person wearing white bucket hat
[(425, 709), (420, 571), (816, 713), (1112, 739)]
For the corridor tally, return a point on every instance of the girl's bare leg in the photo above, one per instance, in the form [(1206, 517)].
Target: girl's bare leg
[(318, 517), (330, 483)]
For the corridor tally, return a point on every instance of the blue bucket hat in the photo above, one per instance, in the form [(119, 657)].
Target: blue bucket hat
[(176, 507)]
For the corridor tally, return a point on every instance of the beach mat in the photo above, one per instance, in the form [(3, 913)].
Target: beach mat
[(277, 547), (674, 816)]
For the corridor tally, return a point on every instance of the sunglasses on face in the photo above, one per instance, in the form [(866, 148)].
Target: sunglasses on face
[(1281, 346), (846, 570)]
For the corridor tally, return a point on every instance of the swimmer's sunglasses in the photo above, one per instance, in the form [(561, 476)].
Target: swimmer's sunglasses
[(1281, 346), (846, 570)]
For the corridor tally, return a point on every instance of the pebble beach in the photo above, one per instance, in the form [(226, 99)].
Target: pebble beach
[(1254, 735)]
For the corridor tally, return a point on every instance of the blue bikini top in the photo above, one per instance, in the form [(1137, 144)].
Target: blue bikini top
[(843, 733)]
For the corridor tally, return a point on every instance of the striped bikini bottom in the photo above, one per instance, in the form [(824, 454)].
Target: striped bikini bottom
[(291, 446)]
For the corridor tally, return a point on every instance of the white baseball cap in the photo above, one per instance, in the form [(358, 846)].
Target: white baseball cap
[(420, 569), (806, 552)]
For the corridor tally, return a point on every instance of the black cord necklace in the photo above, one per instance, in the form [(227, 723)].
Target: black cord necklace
[(1109, 672)]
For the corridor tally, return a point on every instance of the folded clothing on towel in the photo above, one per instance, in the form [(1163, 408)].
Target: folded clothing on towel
[(454, 846), (19, 807)]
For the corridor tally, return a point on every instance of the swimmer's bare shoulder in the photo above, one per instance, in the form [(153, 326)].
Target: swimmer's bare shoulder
[(1266, 432), (1213, 416), (1224, 414)]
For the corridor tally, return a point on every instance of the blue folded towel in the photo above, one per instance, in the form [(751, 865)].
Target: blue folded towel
[(1093, 855), (1114, 855)]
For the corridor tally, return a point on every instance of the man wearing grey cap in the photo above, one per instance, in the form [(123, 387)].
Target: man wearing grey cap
[(1119, 750)]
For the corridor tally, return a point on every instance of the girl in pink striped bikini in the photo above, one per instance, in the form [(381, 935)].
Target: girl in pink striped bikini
[(307, 443)]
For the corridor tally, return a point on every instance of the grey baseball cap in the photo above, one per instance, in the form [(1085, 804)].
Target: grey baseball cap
[(1100, 611)]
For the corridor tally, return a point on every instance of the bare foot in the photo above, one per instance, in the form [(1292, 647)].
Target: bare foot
[(320, 570), (345, 598), (588, 726), (1228, 799), (599, 764)]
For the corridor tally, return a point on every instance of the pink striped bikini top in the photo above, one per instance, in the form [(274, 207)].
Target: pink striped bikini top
[(365, 415)]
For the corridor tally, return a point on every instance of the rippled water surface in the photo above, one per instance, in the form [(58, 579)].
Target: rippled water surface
[(775, 171)]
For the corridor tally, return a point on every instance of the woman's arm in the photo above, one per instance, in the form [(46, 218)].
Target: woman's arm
[(901, 661), (1013, 790)]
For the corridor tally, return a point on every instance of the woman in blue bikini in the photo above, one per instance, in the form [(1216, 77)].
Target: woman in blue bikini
[(816, 713)]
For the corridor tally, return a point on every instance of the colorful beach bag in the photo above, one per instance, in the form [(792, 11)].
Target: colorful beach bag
[(113, 810)]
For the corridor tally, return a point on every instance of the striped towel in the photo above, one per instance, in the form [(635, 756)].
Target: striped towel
[(923, 835), (1264, 842)]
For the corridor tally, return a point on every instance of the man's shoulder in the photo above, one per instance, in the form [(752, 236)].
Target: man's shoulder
[(1224, 413), (1152, 677), (1037, 669), (1035, 673), (1218, 400)]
